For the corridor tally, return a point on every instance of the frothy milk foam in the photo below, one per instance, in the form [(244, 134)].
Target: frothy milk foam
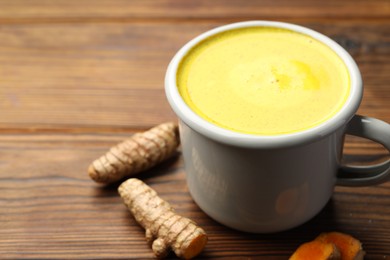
[(263, 81)]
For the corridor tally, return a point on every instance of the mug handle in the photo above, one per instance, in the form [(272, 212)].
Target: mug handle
[(375, 130)]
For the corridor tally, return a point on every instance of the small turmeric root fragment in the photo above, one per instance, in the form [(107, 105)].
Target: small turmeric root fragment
[(344, 246), (136, 154), (350, 248), (165, 230), (316, 250)]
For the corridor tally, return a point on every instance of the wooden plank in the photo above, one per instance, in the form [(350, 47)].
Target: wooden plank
[(76, 77), (110, 76), (49, 208), (224, 9)]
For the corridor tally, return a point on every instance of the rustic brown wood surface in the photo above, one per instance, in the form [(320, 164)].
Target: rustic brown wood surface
[(76, 77)]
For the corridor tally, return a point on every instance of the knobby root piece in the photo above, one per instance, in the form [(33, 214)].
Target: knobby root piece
[(165, 230), (141, 152), (350, 248), (316, 250)]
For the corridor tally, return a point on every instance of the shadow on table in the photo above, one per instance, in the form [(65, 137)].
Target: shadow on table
[(240, 245)]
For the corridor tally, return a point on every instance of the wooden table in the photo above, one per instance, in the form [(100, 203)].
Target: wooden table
[(76, 77)]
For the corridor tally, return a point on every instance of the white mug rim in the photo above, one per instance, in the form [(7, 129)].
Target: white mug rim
[(219, 134)]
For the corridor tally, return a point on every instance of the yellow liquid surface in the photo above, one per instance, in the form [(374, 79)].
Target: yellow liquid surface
[(263, 81)]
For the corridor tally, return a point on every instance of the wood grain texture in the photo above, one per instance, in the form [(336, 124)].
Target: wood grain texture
[(77, 77), (51, 209), (168, 9)]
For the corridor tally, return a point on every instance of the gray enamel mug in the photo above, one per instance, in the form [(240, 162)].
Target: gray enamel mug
[(264, 184)]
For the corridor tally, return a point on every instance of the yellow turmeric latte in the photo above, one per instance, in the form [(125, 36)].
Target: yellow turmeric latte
[(263, 81)]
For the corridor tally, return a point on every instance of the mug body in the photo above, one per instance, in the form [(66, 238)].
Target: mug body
[(258, 183), (260, 190)]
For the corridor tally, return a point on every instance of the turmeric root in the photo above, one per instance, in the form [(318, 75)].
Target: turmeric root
[(165, 230), (332, 245), (316, 250), (141, 152), (350, 248)]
